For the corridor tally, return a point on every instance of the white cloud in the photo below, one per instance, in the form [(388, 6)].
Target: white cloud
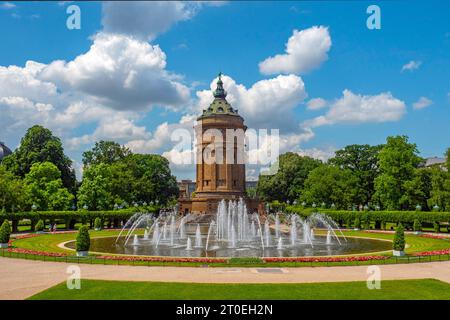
[(145, 20), (355, 108), (7, 5), (266, 104), (319, 154), (316, 104), (122, 73), (412, 65), (422, 103), (305, 50)]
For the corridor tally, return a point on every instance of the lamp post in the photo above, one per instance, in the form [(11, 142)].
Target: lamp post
[(33, 207), (85, 207), (418, 207)]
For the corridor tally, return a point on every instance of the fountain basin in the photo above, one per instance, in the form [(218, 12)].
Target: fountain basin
[(353, 245)]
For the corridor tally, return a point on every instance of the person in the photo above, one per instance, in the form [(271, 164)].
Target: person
[(54, 227)]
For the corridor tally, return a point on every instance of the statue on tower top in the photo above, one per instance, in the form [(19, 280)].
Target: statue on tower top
[(220, 91)]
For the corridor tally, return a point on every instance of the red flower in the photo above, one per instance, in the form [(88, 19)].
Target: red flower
[(37, 253)]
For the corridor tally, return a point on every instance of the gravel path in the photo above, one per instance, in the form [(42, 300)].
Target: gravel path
[(20, 278)]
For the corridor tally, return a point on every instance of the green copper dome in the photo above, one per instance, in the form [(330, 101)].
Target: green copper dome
[(219, 105)]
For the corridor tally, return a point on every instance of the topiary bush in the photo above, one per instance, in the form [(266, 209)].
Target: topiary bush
[(83, 239), (399, 238), (5, 232), (417, 226), (39, 226), (436, 227), (98, 225)]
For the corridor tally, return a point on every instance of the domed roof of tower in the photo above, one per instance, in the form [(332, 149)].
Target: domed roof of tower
[(220, 104), (4, 150)]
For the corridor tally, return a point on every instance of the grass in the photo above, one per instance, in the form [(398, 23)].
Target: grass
[(425, 289)]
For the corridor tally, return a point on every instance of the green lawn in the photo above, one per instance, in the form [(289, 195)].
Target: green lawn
[(426, 289)]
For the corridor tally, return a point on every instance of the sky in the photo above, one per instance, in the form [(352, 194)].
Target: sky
[(136, 72)]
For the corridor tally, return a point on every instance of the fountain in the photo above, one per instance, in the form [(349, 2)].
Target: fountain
[(234, 232), (198, 237), (280, 243), (328, 241), (135, 240), (188, 244)]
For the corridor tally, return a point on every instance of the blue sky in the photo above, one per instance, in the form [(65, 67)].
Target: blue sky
[(397, 78)]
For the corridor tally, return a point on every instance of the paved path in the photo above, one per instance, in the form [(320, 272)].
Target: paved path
[(20, 278)]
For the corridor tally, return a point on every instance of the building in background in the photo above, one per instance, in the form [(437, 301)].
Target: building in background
[(4, 151), (217, 180)]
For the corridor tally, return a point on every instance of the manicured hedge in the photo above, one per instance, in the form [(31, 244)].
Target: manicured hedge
[(342, 216), (70, 218)]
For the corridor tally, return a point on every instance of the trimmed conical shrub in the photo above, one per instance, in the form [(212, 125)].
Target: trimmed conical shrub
[(83, 239), (5, 232), (399, 238)]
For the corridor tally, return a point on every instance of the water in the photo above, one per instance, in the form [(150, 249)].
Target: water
[(198, 237), (232, 231)]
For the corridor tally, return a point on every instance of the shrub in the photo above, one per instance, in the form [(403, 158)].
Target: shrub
[(417, 226), (98, 225), (39, 226), (383, 225), (366, 222), (83, 239), (399, 238), (436, 227), (5, 232), (357, 223), (348, 222)]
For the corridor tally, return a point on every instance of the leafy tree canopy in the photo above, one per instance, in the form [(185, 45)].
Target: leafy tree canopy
[(398, 161), (362, 160), (288, 182), (44, 188), (330, 184), (11, 191), (40, 145), (105, 152)]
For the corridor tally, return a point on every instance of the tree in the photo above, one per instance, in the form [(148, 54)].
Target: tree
[(11, 191), (362, 160), (44, 187), (330, 184), (39, 145), (136, 178), (288, 182), (105, 152), (447, 157), (417, 190), (95, 189), (440, 189), (398, 160), (151, 178)]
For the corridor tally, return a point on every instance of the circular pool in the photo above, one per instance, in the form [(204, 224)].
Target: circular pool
[(317, 247)]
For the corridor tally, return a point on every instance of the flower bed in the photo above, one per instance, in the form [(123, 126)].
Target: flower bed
[(432, 253), (325, 259), (163, 259), (37, 253), (434, 236)]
